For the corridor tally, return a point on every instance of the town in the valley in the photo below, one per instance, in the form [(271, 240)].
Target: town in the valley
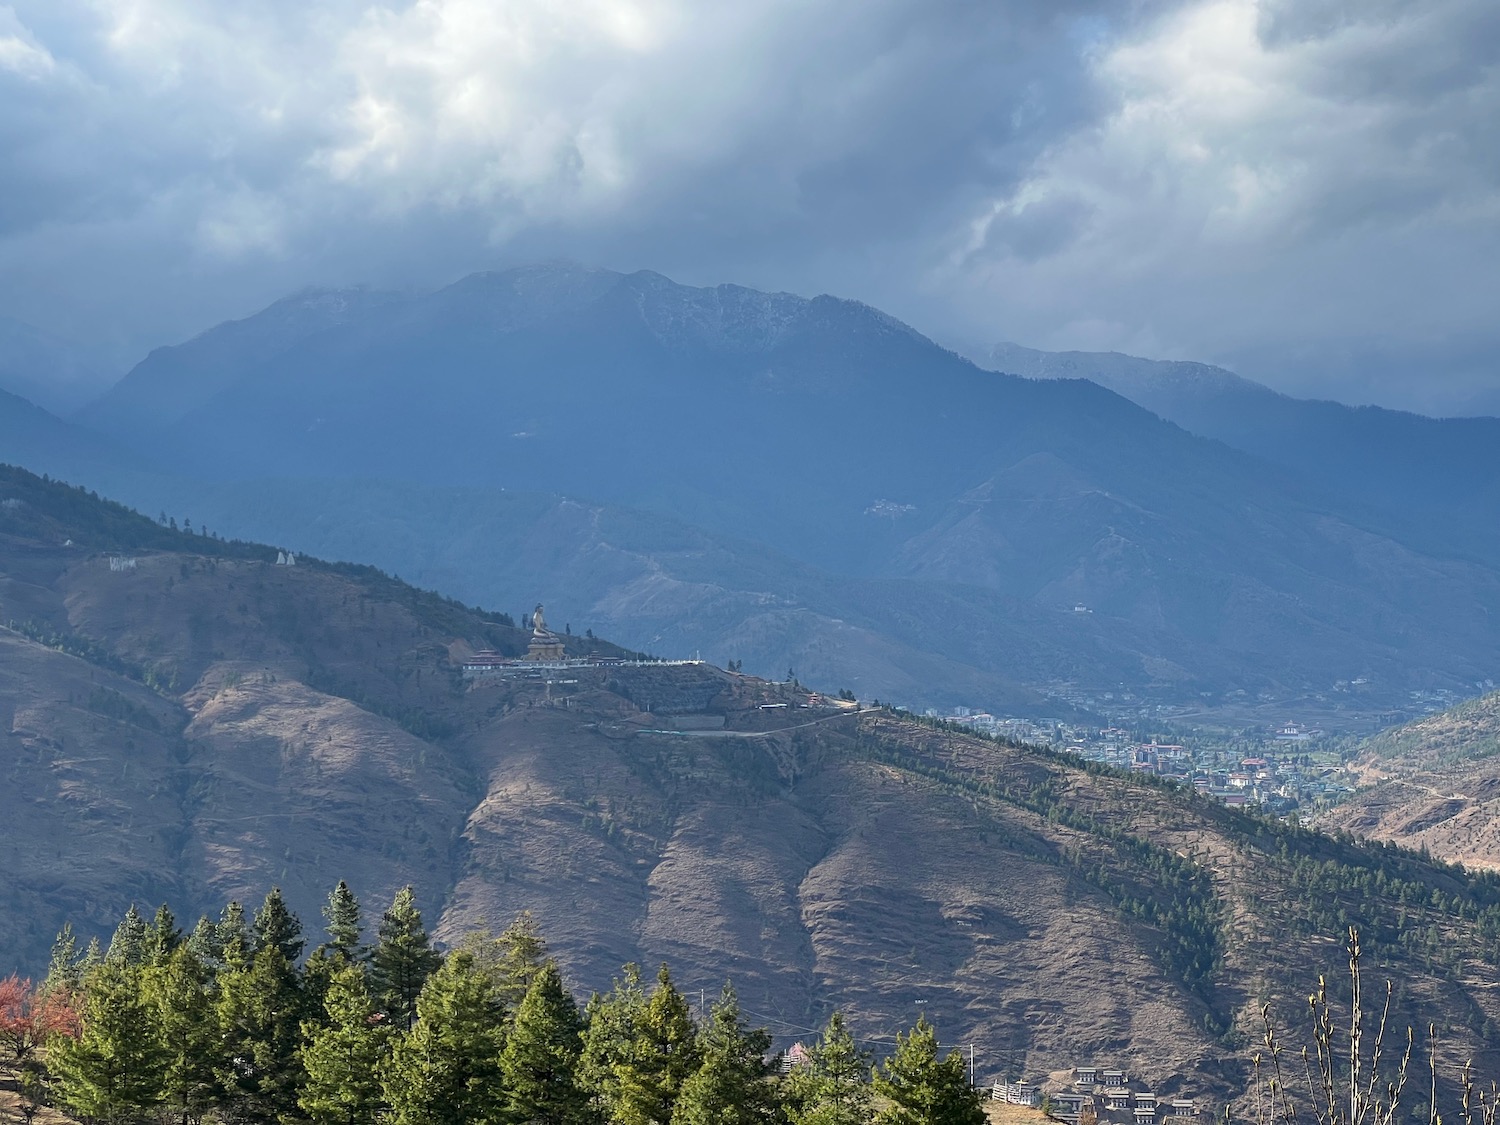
[(1288, 768)]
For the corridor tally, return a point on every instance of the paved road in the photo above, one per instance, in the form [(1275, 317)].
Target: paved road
[(761, 733)]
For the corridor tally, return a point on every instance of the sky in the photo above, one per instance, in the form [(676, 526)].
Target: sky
[(1305, 191)]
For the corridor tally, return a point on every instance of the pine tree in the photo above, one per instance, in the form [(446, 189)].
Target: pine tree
[(93, 957), (511, 960), (403, 960), (342, 915), (342, 948), (831, 1087), (662, 1057), (260, 1009), (277, 927), (114, 1070), (540, 1060), (523, 955), (205, 943), (732, 1086), (181, 990), (128, 946), (343, 1054), (610, 1023), (921, 1089), (446, 1070), (63, 970), (318, 972), (162, 937), (234, 938)]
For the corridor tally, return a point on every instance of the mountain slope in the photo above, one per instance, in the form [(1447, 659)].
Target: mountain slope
[(1434, 482), (171, 382), (204, 722), (45, 443), (44, 370), (843, 441), (1433, 783)]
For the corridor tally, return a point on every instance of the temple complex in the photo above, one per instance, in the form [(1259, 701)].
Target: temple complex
[(545, 644)]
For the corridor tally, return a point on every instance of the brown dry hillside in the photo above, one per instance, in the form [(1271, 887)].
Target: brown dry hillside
[(206, 723), (1433, 784)]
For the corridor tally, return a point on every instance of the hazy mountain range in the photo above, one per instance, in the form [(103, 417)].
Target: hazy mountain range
[(1437, 479), (810, 483)]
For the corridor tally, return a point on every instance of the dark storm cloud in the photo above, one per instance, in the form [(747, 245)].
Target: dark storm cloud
[(1280, 185)]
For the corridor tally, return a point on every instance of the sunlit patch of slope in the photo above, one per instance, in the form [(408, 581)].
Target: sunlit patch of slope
[(1433, 783)]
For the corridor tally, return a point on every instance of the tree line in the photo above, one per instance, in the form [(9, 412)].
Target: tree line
[(232, 1023)]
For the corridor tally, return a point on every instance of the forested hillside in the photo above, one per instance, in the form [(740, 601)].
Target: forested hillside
[(189, 722)]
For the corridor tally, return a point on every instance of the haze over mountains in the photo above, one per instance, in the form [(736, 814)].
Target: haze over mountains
[(811, 483), (1439, 479)]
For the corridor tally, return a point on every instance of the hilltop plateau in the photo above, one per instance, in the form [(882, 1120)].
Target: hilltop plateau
[(187, 720)]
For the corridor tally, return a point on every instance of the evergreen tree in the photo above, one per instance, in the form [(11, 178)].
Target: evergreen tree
[(259, 1009), (831, 1087), (610, 1023), (114, 1070), (93, 957), (180, 988), (403, 960), (512, 960), (663, 1055), (128, 946), (342, 948), (63, 970), (162, 937), (446, 1070), (233, 938), (318, 972), (732, 1085), (205, 943), (540, 1060), (343, 1054), (342, 915), (921, 1089), (523, 955), (276, 927)]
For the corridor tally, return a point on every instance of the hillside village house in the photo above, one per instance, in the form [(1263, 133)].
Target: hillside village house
[(1107, 1094)]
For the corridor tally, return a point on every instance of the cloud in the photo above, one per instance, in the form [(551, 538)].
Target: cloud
[(20, 55), (1271, 183), (238, 150), (1283, 186)]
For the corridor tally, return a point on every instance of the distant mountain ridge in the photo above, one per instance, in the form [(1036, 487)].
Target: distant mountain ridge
[(171, 382), (1431, 481), (777, 470), (43, 369)]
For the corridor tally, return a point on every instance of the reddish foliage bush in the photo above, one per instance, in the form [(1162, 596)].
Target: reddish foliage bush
[(28, 1018)]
